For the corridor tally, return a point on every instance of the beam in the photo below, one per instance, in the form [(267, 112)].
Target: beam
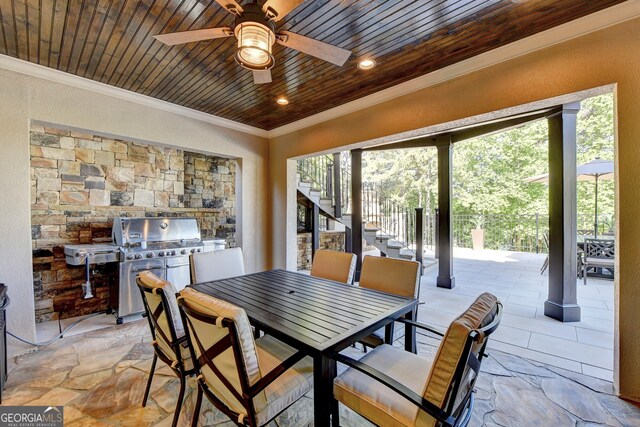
[(337, 186), (504, 125), (356, 208), (426, 141), (562, 303), (315, 229), (445, 224)]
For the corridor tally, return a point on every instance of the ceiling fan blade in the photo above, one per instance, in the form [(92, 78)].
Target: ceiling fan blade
[(231, 6), (335, 55), (172, 39), (278, 9), (261, 76)]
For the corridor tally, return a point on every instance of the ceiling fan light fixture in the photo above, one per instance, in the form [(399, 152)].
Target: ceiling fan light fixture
[(282, 101), (366, 64), (255, 43)]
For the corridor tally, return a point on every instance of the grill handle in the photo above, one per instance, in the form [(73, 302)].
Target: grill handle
[(137, 270)]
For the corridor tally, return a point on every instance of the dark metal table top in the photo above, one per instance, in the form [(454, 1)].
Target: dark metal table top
[(314, 313)]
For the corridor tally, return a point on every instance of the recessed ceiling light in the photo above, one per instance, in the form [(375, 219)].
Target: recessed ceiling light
[(366, 64), (282, 101)]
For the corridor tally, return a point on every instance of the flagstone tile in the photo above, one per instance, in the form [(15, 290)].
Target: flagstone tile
[(116, 394), (99, 361), (86, 382), (56, 397)]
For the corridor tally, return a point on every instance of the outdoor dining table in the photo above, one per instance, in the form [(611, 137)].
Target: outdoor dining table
[(317, 316)]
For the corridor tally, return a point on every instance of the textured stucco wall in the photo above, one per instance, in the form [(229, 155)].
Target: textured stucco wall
[(607, 57), (24, 99)]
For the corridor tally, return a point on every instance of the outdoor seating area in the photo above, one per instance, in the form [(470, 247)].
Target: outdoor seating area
[(297, 213), (457, 364)]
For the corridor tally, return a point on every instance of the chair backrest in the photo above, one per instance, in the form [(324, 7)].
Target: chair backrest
[(333, 265), (391, 275), (159, 298), (599, 248), (223, 350), (456, 365), (216, 265)]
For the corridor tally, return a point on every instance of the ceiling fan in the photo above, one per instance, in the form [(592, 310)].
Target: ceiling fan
[(255, 29)]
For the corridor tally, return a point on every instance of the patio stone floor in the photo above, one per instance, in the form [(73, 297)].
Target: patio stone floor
[(514, 277), (99, 376)]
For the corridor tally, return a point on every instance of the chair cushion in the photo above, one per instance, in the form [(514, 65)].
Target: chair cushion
[(333, 265), (479, 314), (216, 265), (209, 334), (391, 275), (600, 262), (294, 383), (377, 402), (150, 280)]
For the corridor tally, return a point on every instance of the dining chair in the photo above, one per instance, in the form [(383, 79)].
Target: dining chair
[(393, 276), (598, 253), (169, 341), (251, 381), (333, 265), (216, 265), (392, 387)]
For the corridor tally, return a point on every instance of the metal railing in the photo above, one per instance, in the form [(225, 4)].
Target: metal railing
[(319, 172)]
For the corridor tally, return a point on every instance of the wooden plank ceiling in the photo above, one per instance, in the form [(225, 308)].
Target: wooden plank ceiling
[(110, 41)]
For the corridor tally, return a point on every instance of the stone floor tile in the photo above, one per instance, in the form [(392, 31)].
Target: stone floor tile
[(116, 394), (596, 356), (595, 338), (513, 336), (55, 397), (596, 372), (576, 399), (518, 403), (626, 413), (595, 384), (99, 361), (536, 356)]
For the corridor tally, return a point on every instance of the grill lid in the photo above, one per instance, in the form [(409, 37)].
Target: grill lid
[(129, 231)]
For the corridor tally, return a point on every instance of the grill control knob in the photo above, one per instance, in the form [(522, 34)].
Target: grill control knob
[(173, 252), (183, 252), (199, 250), (138, 256), (130, 256), (150, 255), (161, 253), (193, 250)]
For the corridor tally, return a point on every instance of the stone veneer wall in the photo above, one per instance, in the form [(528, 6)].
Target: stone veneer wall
[(80, 182), (329, 240)]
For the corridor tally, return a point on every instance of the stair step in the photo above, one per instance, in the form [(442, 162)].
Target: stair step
[(304, 184), (394, 244)]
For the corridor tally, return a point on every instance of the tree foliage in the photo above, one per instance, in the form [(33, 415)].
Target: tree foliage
[(489, 172)]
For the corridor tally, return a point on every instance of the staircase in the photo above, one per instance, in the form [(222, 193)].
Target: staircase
[(386, 226)]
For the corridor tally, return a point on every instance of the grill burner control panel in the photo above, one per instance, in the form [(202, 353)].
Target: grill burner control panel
[(129, 256)]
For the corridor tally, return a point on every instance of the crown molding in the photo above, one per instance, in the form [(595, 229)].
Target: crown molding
[(46, 73), (573, 29)]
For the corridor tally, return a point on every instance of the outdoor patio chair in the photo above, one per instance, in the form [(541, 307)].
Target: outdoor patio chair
[(169, 340), (598, 253), (394, 276), (250, 381), (392, 387), (216, 265), (545, 264), (333, 265)]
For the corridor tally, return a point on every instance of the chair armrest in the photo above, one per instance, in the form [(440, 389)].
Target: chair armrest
[(399, 388), (273, 374), (420, 326)]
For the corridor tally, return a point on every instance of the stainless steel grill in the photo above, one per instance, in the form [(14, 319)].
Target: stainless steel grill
[(161, 245)]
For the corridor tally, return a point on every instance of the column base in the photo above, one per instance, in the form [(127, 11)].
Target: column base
[(562, 312), (448, 282)]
